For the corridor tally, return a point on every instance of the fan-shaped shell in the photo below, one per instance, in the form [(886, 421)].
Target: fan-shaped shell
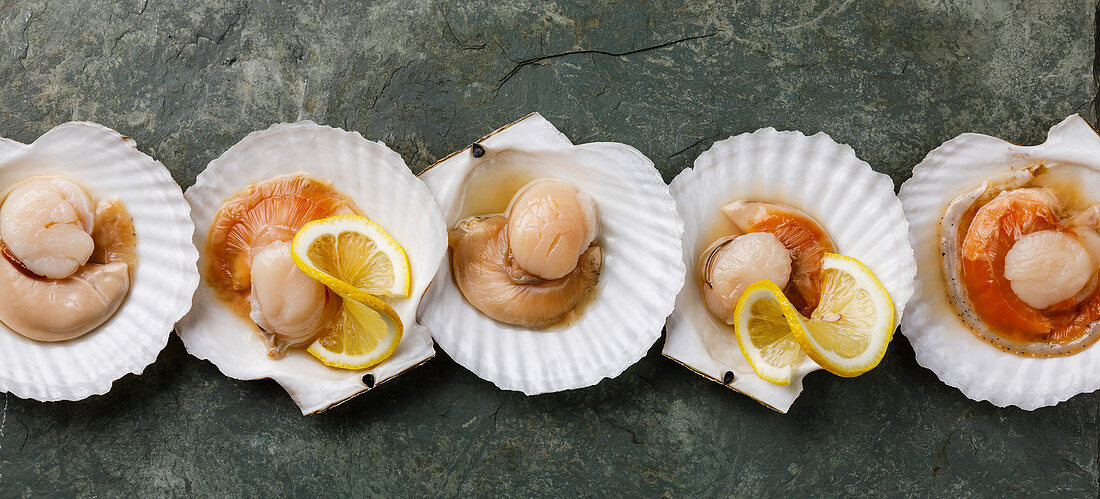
[(855, 205), (106, 164), (641, 272), (941, 341), (380, 183)]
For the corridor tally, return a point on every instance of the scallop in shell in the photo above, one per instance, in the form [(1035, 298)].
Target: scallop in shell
[(855, 206), (123, 299), (312, 157), (609, 216), (974, 177)]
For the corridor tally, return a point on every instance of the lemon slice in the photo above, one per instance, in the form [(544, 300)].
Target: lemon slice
[(364, 332), (350, 252), (765, 323), (849, 331), (356, 259)]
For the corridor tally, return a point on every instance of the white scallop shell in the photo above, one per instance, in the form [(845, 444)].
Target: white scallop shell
[(641, 272), (855, 205), (106, 164), (940, 340), (387, 191)]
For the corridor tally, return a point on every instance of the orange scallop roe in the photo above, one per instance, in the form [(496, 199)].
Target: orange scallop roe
[(260, 214), (995, 228), (807, 241)]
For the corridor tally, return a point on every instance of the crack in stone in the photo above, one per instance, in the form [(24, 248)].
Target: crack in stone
[(217, 40), (494, 415), (693, 144), (130, 30), (941, 454), (633, 435), (21, 55), (386, 84), (534, 60), (448, 31), (233, 24)]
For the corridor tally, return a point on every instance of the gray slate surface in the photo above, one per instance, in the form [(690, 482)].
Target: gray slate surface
[(892, 78)]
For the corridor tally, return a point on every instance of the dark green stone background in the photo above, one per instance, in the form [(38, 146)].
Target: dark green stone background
[(187, 79)]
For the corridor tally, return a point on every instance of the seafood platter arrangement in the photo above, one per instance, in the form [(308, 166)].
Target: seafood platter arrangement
[(314, 257)]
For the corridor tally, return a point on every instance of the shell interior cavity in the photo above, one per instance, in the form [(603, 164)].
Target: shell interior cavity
[(1025, 355), (1010, 225), (306, 158), (97, 261), (578, 220), (752, 175)]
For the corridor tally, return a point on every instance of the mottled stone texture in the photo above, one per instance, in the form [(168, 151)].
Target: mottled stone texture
[(892, 78)]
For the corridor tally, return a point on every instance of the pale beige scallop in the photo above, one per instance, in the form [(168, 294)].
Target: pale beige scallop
[(45, 309), (480, 250), (1048, 267), (550, 225), (46, 223), (290, 307), (734, 263)]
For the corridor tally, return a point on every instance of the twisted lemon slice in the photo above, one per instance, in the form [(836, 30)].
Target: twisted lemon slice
[(356, 259), (847, 333)]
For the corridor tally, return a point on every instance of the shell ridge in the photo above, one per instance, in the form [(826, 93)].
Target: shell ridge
[(112, 165)]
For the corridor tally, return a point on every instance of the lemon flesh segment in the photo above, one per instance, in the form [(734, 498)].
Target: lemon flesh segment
[(848, 332), (765, 323), (364, 332), (346, 252)]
